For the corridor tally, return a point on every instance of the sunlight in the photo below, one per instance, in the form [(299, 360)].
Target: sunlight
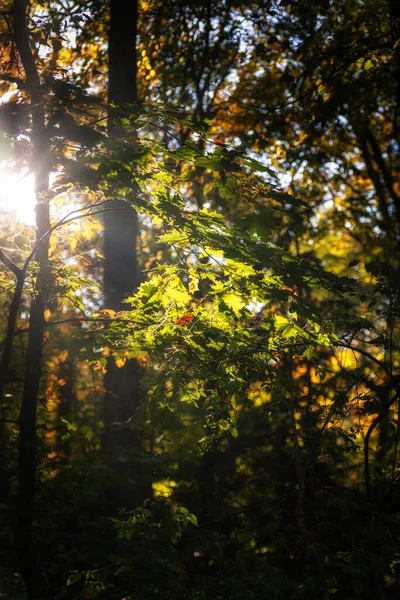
[(17, 197)]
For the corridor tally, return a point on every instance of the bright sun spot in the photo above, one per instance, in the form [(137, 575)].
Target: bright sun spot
[(17, 197)]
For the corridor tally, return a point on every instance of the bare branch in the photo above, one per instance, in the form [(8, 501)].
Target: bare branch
[(10, 264)]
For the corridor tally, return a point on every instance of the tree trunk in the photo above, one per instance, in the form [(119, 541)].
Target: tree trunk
[(120, 226), (25, 500), (27, 454), (67, 402), (122, 400)]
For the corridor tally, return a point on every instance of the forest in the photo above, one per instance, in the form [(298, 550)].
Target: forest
[(199, 299)]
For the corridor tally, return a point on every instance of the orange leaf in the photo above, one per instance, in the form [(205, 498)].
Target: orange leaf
[(184, 320)]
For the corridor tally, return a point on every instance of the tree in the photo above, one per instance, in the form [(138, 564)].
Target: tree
[(120, 253), (33, 365)]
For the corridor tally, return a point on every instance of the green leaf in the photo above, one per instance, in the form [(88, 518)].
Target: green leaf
[(214, 163), (289, 331), (193, 519), (280, 322), (256, 165), (74, 578)]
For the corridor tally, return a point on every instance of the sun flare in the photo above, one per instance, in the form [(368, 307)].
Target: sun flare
[(17, 196)]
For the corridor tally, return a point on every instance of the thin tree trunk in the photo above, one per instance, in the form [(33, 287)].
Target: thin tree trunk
[(394, 12), (67, 403), (25, 501), (385, 172), (375, 178), (5, 483), (27, 455)]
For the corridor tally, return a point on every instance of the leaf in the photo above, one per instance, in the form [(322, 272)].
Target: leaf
[(193, 283), (108, 312), (193, 519), (74, 578), (234, 302), (185, 320), (173, 237), (310, 353), (289, 331), (280, 322), (256, 165), (214, 163), (185, 152)]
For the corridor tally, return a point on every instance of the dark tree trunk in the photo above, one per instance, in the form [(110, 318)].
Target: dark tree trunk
[(120, 224), (25, 501), (27, 454), (122, 400), (67, 401)]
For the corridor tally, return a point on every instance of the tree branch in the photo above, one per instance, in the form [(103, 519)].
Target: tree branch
[(371, 357), (10, 264)]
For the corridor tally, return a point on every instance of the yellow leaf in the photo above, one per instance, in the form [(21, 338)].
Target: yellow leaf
[(281, 321), (52, 245), (234, 302), (108, 312), (47, 314), (193, 284)]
